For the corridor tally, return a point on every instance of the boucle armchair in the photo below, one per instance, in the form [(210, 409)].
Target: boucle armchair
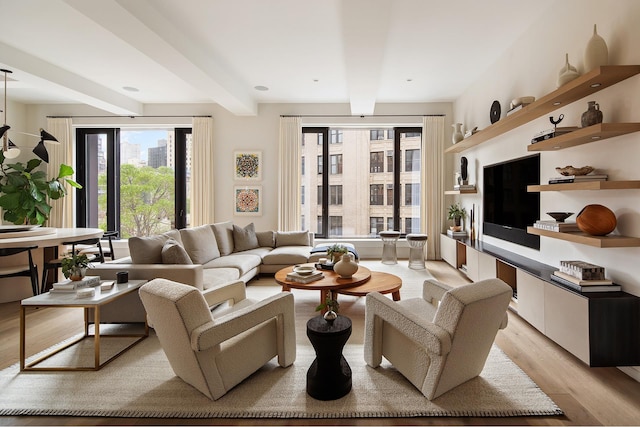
[(214, 352), (437, 346)]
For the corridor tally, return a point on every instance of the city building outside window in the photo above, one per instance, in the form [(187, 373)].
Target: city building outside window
[(376, 162), (336, 136), (335, 225), (335, 194), (412, 160), (336, 164), (376, 224), (390, 161), (377, 194), (376, 134)]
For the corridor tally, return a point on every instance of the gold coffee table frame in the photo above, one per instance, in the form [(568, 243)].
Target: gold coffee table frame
[(69, 300)]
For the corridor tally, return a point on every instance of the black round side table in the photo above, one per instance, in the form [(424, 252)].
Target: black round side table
[(329, 376)]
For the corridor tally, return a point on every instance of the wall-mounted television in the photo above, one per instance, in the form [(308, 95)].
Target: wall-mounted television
[(506, 205)]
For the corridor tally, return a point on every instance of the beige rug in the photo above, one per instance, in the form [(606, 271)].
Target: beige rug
[(140, 383)]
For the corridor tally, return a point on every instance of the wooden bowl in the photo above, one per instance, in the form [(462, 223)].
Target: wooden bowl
[(570, 170), (596, 220)]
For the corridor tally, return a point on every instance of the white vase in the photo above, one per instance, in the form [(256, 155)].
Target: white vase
[(345, 267), (567, 73), (457, 133), (596, 53)]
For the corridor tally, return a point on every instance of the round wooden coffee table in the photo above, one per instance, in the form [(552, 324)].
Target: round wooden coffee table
[(384, 283)]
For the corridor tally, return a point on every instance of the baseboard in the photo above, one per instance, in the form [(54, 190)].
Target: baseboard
[(632, 371)]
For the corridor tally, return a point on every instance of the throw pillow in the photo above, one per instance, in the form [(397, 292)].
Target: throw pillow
[(200, 243), (174, 253), (244, 238), (292, 238), (266, 239), (146, 250), (224, 236)]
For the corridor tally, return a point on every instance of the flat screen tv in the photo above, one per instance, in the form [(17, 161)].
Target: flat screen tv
[(507, 206)]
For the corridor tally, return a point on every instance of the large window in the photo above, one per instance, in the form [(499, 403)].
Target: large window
[(134, 181), (378, 187)]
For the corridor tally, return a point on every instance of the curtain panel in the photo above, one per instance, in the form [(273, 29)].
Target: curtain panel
[(289, 181), (202, 172), (432, 207), (61, 215)]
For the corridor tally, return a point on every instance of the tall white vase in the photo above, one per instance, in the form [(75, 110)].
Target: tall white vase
[(596, 53), (457, 133)]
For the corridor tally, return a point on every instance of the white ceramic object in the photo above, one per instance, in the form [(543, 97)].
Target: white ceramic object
[(346, 267), (457, 133), (567, 73), (304, 270), (596, 53)]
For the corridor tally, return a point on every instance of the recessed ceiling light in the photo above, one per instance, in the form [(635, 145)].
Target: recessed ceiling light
[(130, 89), (409, 80), (261, 88), (316, 80)]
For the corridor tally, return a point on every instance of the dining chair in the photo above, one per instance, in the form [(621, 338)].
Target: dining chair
[(75, 247), (21, 270)]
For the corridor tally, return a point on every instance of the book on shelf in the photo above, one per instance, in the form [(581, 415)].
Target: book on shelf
[(464, 187), (585, 289), (452, 233), (69, 285), (552, 133), (582, 282), (299, 278), (582, 270), (517, 108), (578, 178), (552, 225)]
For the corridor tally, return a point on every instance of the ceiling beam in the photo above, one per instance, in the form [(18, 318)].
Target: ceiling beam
[(140, 25)]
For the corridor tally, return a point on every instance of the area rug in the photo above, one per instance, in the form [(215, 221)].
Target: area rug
[(140, 383)]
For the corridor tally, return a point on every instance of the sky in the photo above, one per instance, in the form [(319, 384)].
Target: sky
[(145, 137)]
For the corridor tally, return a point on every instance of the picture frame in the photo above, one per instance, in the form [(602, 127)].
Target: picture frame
[(247, 165), (247, 200)]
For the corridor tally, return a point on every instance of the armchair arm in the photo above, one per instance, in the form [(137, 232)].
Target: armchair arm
[(433, 291), (215, 332), (435, 339), (189, 274), (231, 291)]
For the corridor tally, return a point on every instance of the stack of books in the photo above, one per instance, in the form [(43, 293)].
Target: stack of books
[(552, 133), (583, 277), (452, 233), (304, 278), (578, 178), (73, 285), (463, 187), (552, 225)]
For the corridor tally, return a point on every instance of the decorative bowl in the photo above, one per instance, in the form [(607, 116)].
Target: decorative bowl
[(304, 270), (570, 170), (560, 216), (596, 220)]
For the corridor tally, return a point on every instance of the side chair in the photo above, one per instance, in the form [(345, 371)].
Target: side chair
[(27, 270)]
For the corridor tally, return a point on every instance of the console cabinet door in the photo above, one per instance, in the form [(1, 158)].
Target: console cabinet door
[(566, 320), (473, 269), (486, 267), (531, 299), (448, 250)]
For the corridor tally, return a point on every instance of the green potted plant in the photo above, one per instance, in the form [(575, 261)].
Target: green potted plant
[(75, 265), (26, 192), (331, 306), (457, 213), (335, 252)]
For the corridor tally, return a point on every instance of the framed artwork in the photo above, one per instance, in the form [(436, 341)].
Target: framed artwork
[(248, 165), (248, 200)]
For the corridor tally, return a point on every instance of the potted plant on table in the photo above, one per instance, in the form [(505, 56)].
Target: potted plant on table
[(335, 252), (75, 265), (331, 306), (457, 213)]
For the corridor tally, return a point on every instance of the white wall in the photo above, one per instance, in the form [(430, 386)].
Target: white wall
[(530, 67)]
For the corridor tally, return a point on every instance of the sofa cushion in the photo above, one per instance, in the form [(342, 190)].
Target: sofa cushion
[(292, 238), (244, 238), (200, 243), (212, 277), (243, 262), (288, 255), (224, 236), (174, 253), (148, 250), (266, 239)]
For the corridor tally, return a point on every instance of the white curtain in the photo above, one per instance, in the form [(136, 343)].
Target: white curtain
[(61, 215), (289, 181), (202, 172), (432, 206)]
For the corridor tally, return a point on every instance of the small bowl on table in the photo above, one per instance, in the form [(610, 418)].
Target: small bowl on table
[(304, 270)]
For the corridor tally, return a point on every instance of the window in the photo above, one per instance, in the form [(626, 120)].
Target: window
[(302, 193), (376, 162), (376, 225), (135, 181), (376, 134), (412, 160), (336, 164), (376, 194), (335, 194), (302, 167), (411, 225), (354, 190)]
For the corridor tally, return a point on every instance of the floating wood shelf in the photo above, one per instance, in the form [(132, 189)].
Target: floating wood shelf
[(471, 191), (611, 241), (585, 135), (590, 185), (585, 85)]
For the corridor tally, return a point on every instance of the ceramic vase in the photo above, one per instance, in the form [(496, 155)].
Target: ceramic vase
[(77, 273), (596, 53), (592, 116), (345, 267), (567, 73), (457, 133)]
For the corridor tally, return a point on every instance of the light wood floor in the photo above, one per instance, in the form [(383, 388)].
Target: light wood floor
[(588, 396)]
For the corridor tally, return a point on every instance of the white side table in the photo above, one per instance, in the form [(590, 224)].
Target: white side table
[(389, 240), (416, 250)]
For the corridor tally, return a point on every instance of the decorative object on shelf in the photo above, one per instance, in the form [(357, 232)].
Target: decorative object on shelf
[(596, 53), (494, 112), (592, 116), (457, 133), (571, 171), (457, 213), (560, 216), (335, 252), (555, 122), (74, 266), (521, 101), (596, 220), (9, 149), (567, 73), (463, 170), (470, 132), (346, 267)]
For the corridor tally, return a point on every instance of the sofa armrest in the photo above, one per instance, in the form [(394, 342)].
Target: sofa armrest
[(433, 291), (233, 292), (189, 274)]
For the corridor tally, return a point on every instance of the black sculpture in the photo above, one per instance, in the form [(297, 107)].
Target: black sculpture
[(463, 170)]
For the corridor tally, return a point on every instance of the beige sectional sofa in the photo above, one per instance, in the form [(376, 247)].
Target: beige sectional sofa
[(206, 257)]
